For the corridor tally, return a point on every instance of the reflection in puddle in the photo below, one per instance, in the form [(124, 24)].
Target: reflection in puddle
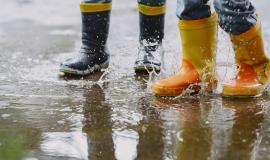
[(125, 146), (62, 144), (47, 117)]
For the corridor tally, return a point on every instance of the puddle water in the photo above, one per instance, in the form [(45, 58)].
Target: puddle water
[(113, 115)]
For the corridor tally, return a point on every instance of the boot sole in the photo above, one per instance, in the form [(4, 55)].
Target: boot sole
[(146, 69), (70, 71), (173, 92), (232, 92)]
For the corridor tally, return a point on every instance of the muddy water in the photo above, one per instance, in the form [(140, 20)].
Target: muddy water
[(113, 115)]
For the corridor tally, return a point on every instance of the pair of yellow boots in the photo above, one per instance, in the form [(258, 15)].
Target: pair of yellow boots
[(199, 43)]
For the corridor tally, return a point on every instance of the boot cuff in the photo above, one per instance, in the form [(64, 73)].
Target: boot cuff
[(198, 24), (95, 7), (152, 10)]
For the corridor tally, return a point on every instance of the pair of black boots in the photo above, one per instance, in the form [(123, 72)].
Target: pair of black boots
[(94, 56)]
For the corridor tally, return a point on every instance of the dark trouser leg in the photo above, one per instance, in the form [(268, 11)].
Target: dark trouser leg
[(193, 9), (235, 16)]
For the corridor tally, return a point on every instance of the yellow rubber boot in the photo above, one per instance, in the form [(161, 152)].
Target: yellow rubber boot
[(253, 73), (199, 38)]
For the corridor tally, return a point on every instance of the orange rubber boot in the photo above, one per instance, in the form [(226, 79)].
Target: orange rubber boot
[(254, 66), (199, 38), (175, 85), (245, 84)]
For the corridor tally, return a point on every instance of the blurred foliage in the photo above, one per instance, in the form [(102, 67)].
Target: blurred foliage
[(12, 146)]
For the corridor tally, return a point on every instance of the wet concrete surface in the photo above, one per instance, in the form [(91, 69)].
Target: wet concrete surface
[(113, 115)]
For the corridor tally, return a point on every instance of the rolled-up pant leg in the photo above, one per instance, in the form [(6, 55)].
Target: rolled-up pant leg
[(193, 9), (235, 16)]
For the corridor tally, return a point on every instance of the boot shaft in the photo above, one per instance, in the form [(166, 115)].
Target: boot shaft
[(152, 19), (199, 42), (95, 23)]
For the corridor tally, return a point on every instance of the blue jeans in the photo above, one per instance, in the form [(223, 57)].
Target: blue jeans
[(235, 16)]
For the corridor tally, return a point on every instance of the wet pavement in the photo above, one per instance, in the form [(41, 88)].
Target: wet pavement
[(113, 115)]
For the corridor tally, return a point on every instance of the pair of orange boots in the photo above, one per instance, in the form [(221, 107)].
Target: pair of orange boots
[(199, 43)]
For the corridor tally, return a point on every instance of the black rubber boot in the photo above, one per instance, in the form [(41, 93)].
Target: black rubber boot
[(93, 55), (151, 50)]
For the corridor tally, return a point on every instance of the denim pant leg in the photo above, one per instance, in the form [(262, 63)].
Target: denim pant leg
[(193, 9), (152, 2), (96, 1), (235, 16)]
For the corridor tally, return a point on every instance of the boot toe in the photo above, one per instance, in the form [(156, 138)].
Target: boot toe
[(142, 66), (66, 69), (84, 64), (164, 88)]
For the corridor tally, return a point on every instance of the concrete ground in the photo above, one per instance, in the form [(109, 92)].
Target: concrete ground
[(114, 115)]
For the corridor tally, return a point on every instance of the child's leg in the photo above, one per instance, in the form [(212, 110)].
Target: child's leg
[(239, 19), (93, 54), (198, 30), (151, 14)]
